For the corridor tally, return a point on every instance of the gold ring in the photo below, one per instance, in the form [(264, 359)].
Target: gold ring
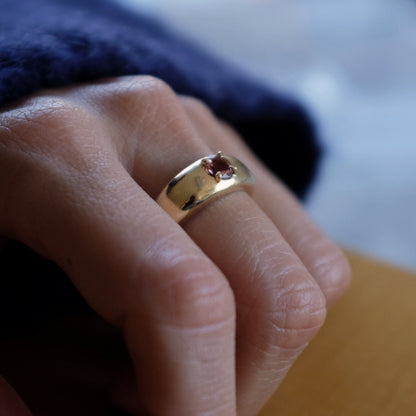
[(201, 181)]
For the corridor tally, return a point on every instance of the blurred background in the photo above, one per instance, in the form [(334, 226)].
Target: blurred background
[(353, 64)]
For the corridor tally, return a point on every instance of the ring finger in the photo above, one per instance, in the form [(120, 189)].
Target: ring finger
[(323, 259)]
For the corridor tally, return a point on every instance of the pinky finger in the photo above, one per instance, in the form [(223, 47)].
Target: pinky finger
[(10, 402)]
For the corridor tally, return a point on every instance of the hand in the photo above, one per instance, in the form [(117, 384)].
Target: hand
[(213, 312)]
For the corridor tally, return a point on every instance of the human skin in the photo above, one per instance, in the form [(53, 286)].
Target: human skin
[(213, 311)]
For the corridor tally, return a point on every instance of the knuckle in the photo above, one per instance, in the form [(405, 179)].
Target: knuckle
[(294, 311), (44, 123), (149, 106), (49, 142), (135, 93), (156, 87), (147, 102), (46, 149), (195, 298), (334, 272), (41, 109), (196, 107), (160, 100)]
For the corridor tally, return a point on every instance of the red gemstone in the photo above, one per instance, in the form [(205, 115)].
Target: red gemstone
[(218, 167)]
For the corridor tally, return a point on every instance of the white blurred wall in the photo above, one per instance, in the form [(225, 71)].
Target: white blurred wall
[(353, 62)]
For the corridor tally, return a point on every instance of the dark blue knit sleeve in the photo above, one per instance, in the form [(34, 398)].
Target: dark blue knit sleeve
[(47, 43)]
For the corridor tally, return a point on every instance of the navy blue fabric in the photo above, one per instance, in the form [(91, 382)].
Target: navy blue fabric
[(46, 43), (53, 43)]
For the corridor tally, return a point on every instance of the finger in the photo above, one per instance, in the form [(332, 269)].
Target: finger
[(265, 375), (279, 305), (73, 202), (10, 402), (323, 259)]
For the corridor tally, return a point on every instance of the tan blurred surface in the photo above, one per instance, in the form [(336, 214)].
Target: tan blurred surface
[(363, 360)]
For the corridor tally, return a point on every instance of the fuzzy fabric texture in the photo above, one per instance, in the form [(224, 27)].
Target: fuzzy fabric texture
[(54, 43), (47, 43)]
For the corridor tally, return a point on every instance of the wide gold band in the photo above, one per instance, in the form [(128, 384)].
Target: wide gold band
[(204, 179)]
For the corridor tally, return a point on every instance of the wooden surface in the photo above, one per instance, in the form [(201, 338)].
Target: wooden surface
[(363, 362)]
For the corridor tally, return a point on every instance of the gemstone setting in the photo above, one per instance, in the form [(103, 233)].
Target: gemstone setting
[(218, 167)]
